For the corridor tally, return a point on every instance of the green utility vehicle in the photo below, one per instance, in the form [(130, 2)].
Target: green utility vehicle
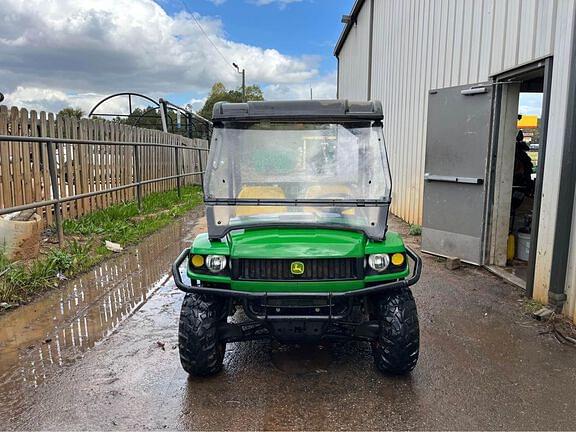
[(297, 196)]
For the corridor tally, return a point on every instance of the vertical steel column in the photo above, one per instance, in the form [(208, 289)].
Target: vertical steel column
[(137, 176), (189, 124), (177, 160), (164, 114), (55, 192)]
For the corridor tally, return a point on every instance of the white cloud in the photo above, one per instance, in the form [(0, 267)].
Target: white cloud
[(71, 52), (196, 104), (322, 88), (50, 100), (218, 2)]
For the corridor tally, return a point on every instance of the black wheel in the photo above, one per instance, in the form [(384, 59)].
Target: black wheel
[(201, 353), (396, 348)]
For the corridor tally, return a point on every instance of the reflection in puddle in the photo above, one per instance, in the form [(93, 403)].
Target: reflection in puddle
[(39, 338), (302, 359)]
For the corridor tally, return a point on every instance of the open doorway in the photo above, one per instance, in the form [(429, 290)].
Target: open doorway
[(516, 170)]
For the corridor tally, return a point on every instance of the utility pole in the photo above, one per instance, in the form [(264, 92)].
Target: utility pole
[(243, 72), (243, 85)]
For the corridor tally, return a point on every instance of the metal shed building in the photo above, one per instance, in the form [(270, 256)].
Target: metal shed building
[(448, 73)]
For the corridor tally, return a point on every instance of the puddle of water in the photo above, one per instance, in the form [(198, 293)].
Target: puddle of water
[(302, 359), (37, 339)]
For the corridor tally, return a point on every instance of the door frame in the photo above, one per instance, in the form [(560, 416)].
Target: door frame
[(499, 80)]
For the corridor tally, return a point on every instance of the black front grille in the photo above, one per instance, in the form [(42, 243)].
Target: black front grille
[(281, 269)]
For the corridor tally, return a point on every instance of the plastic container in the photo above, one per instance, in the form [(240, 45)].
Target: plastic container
[(20, 240), (523, 246)]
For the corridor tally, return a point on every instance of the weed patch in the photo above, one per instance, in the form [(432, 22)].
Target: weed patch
[(415, 230), (530, 306)]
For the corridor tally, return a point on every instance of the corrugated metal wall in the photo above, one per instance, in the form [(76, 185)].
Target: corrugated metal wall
[(353, 63), (420, 45)]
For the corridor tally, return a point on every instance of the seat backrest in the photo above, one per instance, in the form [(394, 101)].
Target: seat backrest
[(326, 190), (263, 192), (329, 191)]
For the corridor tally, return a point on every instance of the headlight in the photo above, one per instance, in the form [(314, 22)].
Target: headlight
[(378, 262), (216, 263)]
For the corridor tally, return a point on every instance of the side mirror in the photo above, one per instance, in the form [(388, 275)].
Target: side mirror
[(1, 97)]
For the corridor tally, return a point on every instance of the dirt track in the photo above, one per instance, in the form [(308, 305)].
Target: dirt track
[(101, 354)]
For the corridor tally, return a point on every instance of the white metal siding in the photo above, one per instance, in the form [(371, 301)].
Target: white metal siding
[(353, 59), (420, 45), (424, 44)]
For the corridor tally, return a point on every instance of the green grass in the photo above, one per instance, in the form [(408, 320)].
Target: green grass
[(84, 248)]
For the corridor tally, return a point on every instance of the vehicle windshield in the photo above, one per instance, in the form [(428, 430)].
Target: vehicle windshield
[(320, 174)]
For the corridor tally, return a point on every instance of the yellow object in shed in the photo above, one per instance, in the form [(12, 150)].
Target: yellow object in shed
[(528, 122), (511, 247)]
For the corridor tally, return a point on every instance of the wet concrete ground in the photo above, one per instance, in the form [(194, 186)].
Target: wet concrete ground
[(101, 354)]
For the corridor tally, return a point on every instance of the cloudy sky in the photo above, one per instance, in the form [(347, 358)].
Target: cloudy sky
[(58, 53), (530, 103)]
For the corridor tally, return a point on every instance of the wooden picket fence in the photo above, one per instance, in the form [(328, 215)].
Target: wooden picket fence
[(25, 178)]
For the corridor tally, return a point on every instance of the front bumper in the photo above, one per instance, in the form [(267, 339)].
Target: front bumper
[(372, 289)]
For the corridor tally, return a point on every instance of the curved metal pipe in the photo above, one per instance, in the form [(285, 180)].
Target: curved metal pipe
[(91, 113)]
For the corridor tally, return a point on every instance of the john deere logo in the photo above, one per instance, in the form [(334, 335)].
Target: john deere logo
[(297, 268)]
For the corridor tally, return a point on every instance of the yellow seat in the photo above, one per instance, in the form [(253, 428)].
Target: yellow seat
[(326, 192), (260, 192)]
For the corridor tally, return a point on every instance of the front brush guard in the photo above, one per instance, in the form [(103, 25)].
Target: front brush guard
[(373, 289)]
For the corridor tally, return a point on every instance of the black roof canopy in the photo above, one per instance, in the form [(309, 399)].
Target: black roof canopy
[(303, 110)]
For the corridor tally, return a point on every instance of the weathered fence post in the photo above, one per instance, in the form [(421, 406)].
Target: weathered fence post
[(55, 191), (138, 176), (177, 160)]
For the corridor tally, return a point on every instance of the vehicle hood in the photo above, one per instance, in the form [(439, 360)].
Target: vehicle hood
[(296, 243)]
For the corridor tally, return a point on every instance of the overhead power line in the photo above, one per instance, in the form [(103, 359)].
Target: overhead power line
[(229, 63)]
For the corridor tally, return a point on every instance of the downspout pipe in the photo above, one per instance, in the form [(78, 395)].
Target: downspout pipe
[(370, 41), (562, 231), (337, 77)]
